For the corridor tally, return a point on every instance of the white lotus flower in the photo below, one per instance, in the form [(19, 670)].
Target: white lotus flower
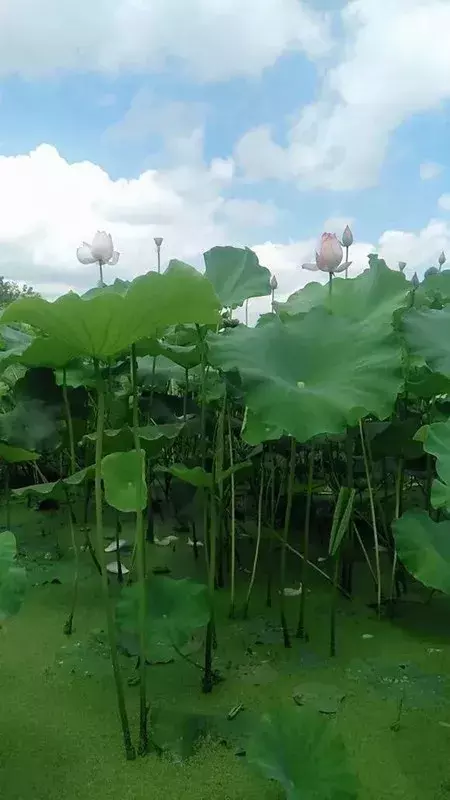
[(329, 257), (101, 250)]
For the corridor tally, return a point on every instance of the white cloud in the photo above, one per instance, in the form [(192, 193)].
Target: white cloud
[(444, 202), (48, 206), (429, 170), (214, 39), (394, 63)]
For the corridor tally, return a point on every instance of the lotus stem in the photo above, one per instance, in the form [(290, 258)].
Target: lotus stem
[(233, 520), (111, 629), (287, 522), (373, 515), (141, 569), (258, 540), (301, 634), (272, 526)]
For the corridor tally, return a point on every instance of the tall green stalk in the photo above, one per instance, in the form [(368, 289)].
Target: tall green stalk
[(141, 570), (258, 540), (272, 528), (373, 515), (68, 626), (287, 522), (233, 520), (301, 634), (111, 629)]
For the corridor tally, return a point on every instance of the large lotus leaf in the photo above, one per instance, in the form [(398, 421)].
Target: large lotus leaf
[(427, 333), (372, 296), (55, 487), (175, 610), (158, 371), (115, 440), (312, 375), (300, 749), (435, 439), (236, 275), (423, 546), (155, 438), (254, 431), (77, 374), (16, 455), (12, 577), (48, 351), (124, 480), (14, 343), (108, 322), (31, 425), (199, 477), (188, 356), (422, 382)]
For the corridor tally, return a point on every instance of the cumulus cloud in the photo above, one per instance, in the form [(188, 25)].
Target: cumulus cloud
[(212, 40), (394, 62), (48, 206)]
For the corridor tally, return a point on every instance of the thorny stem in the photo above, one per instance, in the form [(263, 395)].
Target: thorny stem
[(372, 511), (129, 749)]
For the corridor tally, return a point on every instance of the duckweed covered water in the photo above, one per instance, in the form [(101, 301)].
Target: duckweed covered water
[(58, 728)]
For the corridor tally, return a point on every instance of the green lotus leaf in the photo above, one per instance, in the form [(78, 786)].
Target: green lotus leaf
[(175, 610), (301, 750), (373, 296), (314, 374), (108, 322), (16, 455), (423, 546), (427, 333), (236, 275), (124, 480)]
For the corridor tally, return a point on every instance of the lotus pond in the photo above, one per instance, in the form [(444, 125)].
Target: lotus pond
[(225, 551)]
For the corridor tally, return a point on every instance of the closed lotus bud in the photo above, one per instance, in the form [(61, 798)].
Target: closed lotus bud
[(402, 266), (415, 281), (329, 257), (442, 259), (158, 240), (347, 237), (273, 283)]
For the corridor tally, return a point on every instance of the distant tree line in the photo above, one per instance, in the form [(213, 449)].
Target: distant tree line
[(10, 290)]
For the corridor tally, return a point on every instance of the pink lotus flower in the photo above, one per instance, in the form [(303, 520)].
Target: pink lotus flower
[(329, 257)]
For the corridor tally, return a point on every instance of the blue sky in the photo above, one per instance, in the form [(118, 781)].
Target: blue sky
[(256, 124)]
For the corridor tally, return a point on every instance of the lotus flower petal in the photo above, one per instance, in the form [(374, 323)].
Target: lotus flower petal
[(84, 254), (102, 246), (343, 267), (114, 259), (311, 267)]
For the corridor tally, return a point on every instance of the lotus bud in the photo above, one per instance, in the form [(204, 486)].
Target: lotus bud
[(158, 240), (415, 281), (442, 259), (347, 237), (329, 257), (273, 283), (402, 266)]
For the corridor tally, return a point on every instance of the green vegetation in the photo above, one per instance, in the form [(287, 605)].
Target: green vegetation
[(231, 540)]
